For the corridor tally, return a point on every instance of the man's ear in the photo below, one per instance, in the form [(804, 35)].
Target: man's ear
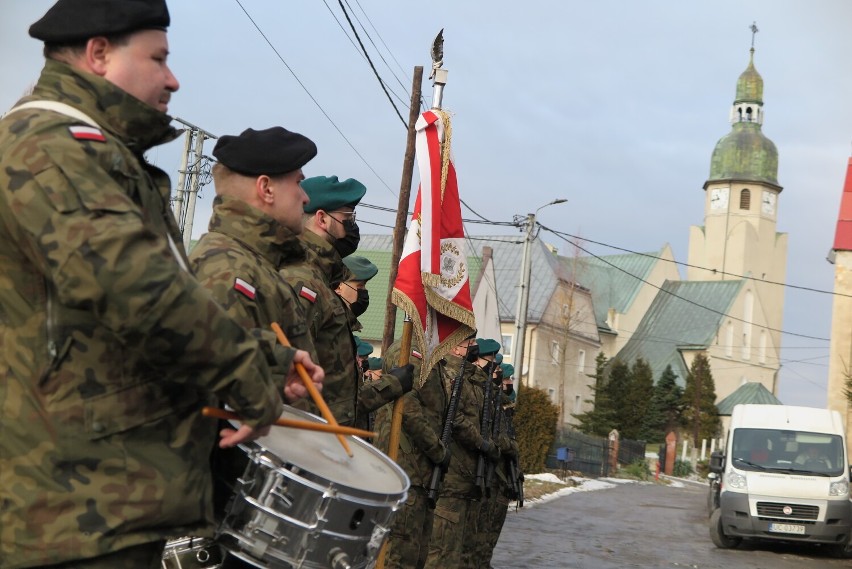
[(264, 190), (97, 57)]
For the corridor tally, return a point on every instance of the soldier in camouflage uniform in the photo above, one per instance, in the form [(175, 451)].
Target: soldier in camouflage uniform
[(457, 510), (493, 515), (257, 218), (478, 544), (110, 345), (420, 449), (330, 234)]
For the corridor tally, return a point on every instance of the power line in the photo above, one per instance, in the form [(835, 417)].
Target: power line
[(322, 110), (373, 67), (680, 297)]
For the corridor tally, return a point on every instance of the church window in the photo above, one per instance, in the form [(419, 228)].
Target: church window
[(745, 199), (748, 114)]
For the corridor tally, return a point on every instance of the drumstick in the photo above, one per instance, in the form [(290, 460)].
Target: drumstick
[(293, 423), (312, 389)]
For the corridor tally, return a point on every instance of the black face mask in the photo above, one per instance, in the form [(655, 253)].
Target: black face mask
[(347, 244), (510, 388), (361, 304), (472, 353), (365, 366)]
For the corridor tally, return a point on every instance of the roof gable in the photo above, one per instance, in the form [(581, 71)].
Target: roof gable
[(679, 318), (749, 392)]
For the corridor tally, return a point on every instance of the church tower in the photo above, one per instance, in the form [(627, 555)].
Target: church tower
[(739, 237)]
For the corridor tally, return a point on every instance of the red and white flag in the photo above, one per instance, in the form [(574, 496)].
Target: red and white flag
[(433, 281)]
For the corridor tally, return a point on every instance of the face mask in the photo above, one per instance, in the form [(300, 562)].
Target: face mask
[(361, 304), (509, 389), (472, 353), (347, 244), (365, 366)]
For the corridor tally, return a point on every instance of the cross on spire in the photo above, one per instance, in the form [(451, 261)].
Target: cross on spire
[(754, 31)]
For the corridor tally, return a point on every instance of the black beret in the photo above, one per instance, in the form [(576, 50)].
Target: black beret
[(75, 20), (328, 193), (270, 152)]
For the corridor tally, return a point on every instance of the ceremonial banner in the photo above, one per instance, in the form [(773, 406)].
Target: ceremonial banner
[(433, 281)]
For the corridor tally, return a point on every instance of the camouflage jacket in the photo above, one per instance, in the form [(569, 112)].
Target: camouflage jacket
[(108, 344), (460, 479), (238, 261), (424, 407), (328, 324)]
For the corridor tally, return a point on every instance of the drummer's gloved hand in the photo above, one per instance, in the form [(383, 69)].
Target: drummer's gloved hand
[(405, 375)]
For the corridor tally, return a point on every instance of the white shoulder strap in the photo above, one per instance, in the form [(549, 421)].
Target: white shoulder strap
[(57, 107)]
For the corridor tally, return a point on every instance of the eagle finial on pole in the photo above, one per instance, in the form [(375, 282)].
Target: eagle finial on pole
[(437, 53)]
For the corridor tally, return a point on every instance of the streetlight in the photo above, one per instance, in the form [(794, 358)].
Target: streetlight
[(524, 296)]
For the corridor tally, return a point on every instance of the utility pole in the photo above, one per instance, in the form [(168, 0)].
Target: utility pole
[(524, 298), (523, 304), (192, 175)]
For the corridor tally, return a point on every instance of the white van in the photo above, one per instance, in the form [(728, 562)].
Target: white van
[(783, 474)]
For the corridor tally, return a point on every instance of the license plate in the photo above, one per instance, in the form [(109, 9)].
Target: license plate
[(787, 528)]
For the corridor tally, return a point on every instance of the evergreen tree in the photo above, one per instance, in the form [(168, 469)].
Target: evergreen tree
[(637, 398), (600, 419), (617, 389), (535, 425), (665, 408), (699, 401)]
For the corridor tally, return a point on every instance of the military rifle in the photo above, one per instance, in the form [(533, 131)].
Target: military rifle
[(446, 436), (517, 478), (482, 464), (495, 434)]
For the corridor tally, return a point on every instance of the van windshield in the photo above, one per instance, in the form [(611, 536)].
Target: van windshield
[(819, 454)]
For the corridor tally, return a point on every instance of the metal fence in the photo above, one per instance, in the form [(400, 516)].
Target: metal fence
[(589, 454)]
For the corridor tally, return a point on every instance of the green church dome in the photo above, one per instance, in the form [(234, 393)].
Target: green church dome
[(745, 154), (750, 84)]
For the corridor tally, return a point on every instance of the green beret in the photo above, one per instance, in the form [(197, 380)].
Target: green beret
[(361, 267), (508, 370), (487, 346), (498, 359), (329, 194), (363, 348), (375, 363), (271, 152), (70, 21)]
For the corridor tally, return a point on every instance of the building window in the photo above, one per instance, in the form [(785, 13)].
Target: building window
[(745, 199), (552, 393), (507, 344), (581, 362), (576, 404), (554, 353)]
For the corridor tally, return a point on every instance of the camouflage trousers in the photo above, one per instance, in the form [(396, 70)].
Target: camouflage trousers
[(456, 520), (492, 516), (408, 545), (145, 556)]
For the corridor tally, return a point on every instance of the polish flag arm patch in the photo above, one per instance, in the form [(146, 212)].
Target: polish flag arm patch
[(242, 286), (311, 295), (87, 133)]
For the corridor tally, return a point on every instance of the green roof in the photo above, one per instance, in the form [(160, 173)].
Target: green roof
[(677, 319), (614, 280), (750, 392), (745, 154), (750, 84)]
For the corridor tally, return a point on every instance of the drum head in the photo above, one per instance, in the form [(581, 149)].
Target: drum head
[(368, 470)]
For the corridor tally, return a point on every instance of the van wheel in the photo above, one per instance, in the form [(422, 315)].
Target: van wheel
[(718, 536), (838, 550)]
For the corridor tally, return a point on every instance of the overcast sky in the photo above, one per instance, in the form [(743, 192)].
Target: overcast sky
[(614, 105)]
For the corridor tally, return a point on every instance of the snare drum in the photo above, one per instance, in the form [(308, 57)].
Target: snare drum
[(191, 553), (302, 502)]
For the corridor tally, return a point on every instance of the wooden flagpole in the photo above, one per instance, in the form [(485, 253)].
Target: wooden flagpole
[(399, 236)]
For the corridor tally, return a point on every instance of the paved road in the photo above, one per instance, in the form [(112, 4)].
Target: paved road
[(636, 526)]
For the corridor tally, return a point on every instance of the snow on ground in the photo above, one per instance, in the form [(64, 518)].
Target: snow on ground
[(589, 485)]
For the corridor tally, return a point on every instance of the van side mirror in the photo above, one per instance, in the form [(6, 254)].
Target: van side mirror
[(717, 462)]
